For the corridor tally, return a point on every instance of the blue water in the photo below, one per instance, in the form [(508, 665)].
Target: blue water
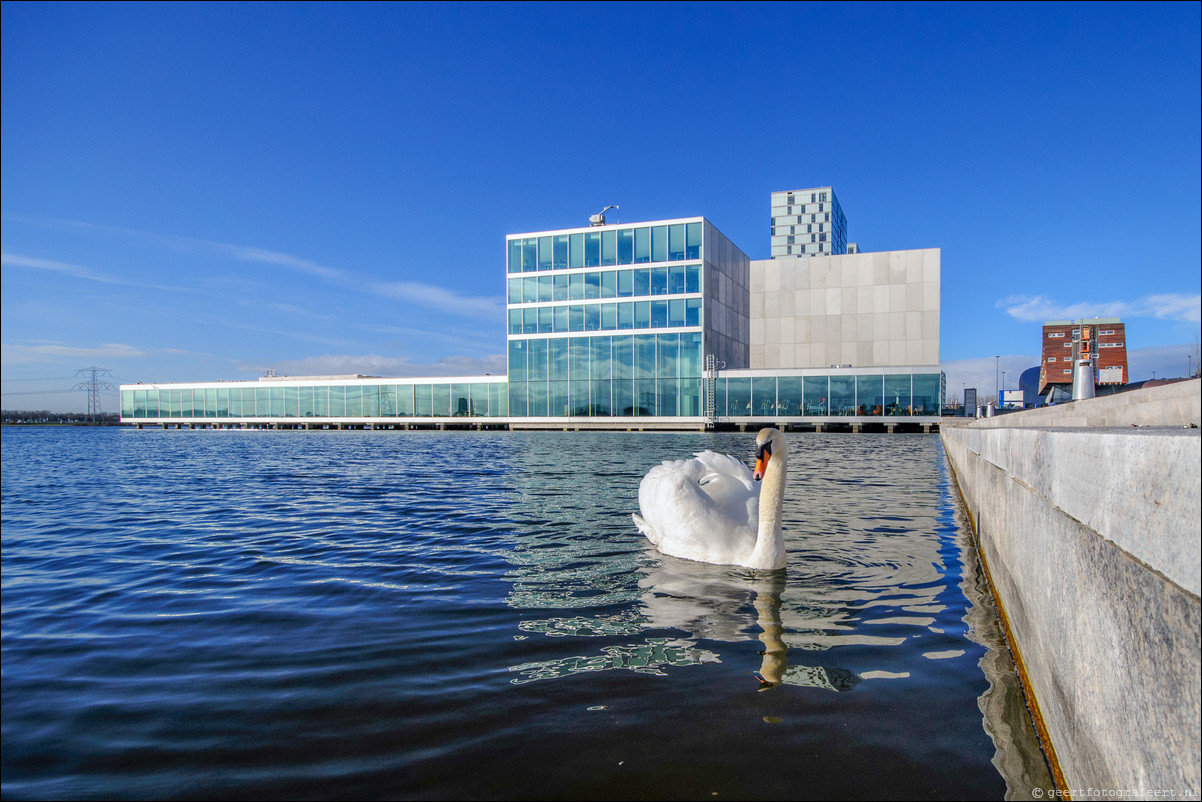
[(450, 615)]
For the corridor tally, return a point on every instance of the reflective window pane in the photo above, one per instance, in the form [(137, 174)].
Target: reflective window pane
[(609, 248), (869, 395), (609, 317), (693, 241), (515, 256), (560, 260), (626, 246), (625, 283), (659, 243), (441, 402), (666, 351), (843, 395), (676, 242), (517, 360), (536, 360), (576, 250), (599, 364), (763, 395), (926, 394), (642, 245), (592, 249), (897, 395), (642, 314), (529, 255), (676, 282), (675, 312), (817, 392), (659, 314), (557, 360), (626, 315), (642, 281), (609, 284)]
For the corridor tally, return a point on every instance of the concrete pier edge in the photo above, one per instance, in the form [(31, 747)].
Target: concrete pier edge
[(1020, 667), (1085, 517)]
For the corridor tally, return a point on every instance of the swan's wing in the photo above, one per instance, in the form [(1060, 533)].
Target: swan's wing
[(731, 486), (682, 518)]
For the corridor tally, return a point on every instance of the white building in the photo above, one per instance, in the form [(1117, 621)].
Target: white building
[(660, 324)]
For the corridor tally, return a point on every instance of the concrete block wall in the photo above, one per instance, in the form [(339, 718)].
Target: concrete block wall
[(1087, 517), (866, 309), (726, 302)]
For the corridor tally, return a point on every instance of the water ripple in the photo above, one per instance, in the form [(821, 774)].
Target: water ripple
[(362, 614)]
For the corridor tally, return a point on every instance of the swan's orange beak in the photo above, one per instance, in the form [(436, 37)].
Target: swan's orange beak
[(762, 455)]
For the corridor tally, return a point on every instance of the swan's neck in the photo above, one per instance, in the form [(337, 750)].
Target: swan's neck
[(769, 550)]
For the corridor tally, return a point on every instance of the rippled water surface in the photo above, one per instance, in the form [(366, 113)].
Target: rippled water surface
[(449, 615)]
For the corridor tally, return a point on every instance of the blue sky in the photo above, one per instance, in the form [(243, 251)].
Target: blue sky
[(206, 191)]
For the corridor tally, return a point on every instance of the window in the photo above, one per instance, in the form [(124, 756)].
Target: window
[(1051, 359), (1055, 334)]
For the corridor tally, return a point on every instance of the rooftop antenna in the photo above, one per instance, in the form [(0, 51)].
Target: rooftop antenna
[(598, 219)]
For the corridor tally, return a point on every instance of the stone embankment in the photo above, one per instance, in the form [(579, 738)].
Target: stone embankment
[(1087, 518)]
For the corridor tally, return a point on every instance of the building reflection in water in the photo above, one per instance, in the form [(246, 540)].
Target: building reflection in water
[(878, 561)]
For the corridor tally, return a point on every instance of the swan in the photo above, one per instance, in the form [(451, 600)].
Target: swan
[(711, 509)]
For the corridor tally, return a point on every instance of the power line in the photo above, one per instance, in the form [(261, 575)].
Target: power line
[(93, 385)]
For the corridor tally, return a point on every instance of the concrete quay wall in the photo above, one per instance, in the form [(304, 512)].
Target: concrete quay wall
[(1087, 519)]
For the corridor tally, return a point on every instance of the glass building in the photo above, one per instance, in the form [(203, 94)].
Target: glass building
[(643, 325), (615, 321)]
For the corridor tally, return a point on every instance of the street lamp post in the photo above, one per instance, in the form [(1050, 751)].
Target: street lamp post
[(997, 364), (999, 398)]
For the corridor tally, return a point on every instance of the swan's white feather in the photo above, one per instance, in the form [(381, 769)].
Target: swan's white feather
[(705, 509)]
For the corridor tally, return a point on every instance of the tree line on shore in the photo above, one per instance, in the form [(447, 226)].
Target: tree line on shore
[(44, 417)]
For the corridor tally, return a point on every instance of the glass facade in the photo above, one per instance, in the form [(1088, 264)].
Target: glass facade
[(336, 401), (609, 246), (636, 375), (606, 376), (861, 396), (644, 283)]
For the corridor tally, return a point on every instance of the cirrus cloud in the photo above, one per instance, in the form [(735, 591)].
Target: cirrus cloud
[(1163, 306)]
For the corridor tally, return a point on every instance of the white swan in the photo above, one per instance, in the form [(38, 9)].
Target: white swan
[(711, 509)]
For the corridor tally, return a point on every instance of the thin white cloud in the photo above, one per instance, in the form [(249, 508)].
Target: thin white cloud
[(442, 299), (428, 295), (29, 354), (15, 260), (1165, 306)]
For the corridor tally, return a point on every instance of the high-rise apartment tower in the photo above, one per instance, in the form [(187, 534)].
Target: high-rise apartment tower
[(807, 222)]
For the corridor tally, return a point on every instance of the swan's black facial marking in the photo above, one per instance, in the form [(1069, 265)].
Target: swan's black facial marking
[(763, 452)]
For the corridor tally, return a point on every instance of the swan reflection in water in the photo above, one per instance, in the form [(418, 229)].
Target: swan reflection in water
[(711, 603), (724, 603)]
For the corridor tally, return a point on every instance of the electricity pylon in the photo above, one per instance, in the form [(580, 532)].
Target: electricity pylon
[(93, 385)]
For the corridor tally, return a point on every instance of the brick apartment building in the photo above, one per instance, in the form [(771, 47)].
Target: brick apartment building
[(1103, 337)]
